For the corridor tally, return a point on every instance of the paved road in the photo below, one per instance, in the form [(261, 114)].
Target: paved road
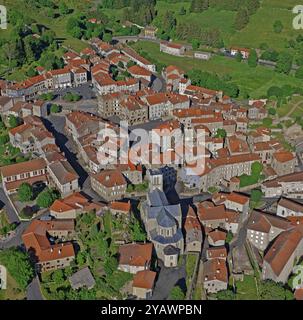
[(16, 240), (56, 124), (33, 291), (241, 237), (5, 204)]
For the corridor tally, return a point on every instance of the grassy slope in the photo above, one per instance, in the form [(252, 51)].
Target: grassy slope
[(255, 81), (58, 25), (259, 29), (222, 20)]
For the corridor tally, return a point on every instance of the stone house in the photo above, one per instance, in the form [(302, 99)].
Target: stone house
[(135, 257), (262, 228), (109, 184)]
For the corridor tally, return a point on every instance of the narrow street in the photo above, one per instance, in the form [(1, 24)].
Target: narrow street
[(6, 205), (33, 291), (56, 124)]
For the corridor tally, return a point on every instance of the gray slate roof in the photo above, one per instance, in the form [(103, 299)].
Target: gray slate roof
[(157, 198), (82, 278)]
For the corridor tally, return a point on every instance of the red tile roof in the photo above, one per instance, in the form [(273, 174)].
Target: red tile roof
[(35, 238), (144, 279), (135, 254), (120, 206), (24, 167)]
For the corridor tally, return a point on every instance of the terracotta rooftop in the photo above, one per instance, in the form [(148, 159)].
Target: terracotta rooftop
[(144, 279), (283, 156), (24, 167), (110, 178), (135, 254), (291, 204), (215, 270), (120, 206), (137, 70), (282, 249), (217, 235), (216, 252), (262, 222), (35, 238)]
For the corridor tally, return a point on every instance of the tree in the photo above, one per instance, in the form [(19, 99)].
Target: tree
[(242, 19), (58, 277), (81, 258), (253, 59), (4, 139), (278, 26), (284, 63), (176, 293), (107, 37), (252, 6), (267, 122), (299, 73), (182, 11), (274, 91), (270, 290), (137, 232), (199, 5), (221, 133), (55, 108), (76, 32), (46, 198), (239, 56), (196, 44), (25, 192), (169, 21), (18, 265), (63, 8), (256, 195), (225, 295), (110, 265), (13, 121), (272, 111), (229, 237)]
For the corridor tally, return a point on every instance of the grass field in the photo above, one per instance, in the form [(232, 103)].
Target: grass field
[(255, 81), (13, 291), (260, 27), (246, 289), (293, 109), (58, 25), (221, 20), (258, 30)]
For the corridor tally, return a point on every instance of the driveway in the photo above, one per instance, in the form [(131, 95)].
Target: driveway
[(167, 279), (33, 291)]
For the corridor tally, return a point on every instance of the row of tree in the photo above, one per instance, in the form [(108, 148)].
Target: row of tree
[(213, 81)]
